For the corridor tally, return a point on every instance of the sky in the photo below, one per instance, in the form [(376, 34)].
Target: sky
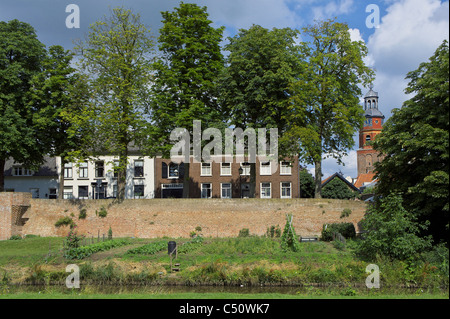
[(399, 34)]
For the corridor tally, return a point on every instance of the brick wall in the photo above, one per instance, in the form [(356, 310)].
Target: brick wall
[(178, 217), (13, 208)]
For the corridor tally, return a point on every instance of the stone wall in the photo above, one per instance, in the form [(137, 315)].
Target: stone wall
[(13, 208), (178, 217)]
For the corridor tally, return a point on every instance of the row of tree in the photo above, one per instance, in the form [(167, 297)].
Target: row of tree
[(127, 91)]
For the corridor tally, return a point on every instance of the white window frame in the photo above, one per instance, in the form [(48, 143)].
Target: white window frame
[(210, 190), (222, 172), (206, 169), (83, 197), (68, 171), (222, 188), (83, 167), (246, 167), (281, 190), (265, 169), (68, 192), (134, 191), (263, 194), (140, 163), (285, 169)]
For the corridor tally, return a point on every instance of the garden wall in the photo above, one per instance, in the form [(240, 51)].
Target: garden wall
[(149, 218)]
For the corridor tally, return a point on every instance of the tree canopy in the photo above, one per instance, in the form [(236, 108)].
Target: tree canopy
[(415, 146)]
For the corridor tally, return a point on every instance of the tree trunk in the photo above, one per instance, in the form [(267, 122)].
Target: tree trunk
[(2, 174), (61, 179), (186, 181), (318, 179), (122, 175), (252, 180)]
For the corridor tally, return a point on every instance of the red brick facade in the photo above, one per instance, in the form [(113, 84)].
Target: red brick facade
[(216, 179)]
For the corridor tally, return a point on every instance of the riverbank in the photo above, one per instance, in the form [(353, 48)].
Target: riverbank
[(317, 269)]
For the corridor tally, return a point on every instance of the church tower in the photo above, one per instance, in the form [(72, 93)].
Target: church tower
[(373, 125)]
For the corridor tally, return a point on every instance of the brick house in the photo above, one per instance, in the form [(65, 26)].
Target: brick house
[(226, 180)]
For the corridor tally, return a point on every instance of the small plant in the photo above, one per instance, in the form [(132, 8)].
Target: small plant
[(65, 221), (289, 239), (73, 240), (244, 232), (110, 235), (15, 237), (102, 213), (273, 231), (83, 214), (345, 213)]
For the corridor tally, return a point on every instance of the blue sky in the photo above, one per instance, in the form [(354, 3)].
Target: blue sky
[(408, 34)]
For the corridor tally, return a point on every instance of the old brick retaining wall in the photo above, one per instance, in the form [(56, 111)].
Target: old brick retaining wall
[(149, 218)]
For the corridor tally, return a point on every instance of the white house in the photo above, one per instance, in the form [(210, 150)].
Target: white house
[(97, 179), (41, 184), (85, 180)]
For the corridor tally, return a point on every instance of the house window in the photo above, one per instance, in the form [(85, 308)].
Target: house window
[(286, 168), (174, 170), (68, 170), (83, 192), (139, 168), (34, 192), (225, 169), (83, 172), (68, 192), (225, 190), (52, 193), (367, 138), (99, 169), (245, 168), (115, 191), (264, 168), (265, 190), (138, 191), (206, 169), (21, 171), (206, 190), (286, 190)]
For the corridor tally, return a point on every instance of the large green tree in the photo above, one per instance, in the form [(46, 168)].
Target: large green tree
[(324, 110), (21, 55), (57, 93), (185, 87), (255, 86), (117, 56), (415, 146)]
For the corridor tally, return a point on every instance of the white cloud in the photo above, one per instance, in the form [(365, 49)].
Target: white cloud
[(332, 9)]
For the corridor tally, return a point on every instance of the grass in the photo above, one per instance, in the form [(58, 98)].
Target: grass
[(223, 262)]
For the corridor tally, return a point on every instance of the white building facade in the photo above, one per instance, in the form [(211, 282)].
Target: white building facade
[(97, 179)]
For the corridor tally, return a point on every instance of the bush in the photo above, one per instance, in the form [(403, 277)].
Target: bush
[(72, 240), (289, 239), (15, 237), (65, 221), (391, 231), (110, 235), (273, 231), (86, 251), (102, 213), (82, 214), (244, 232), (345, 229), (345, 213)]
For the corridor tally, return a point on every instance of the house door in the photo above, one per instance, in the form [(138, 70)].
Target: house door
[(245, 190)]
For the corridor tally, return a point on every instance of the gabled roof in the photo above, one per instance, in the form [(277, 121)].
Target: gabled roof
[(364, 178), (48, 168), (338, 175)]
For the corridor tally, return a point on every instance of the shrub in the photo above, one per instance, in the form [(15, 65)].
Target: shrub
[(15, 237), (244, 232), (391, 231), (102, 213), (345, 229), (345, 213), (110, 235), (83, 214), (289, 240), (86, 251), (65, 221), (273, 231), (72, 239)]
